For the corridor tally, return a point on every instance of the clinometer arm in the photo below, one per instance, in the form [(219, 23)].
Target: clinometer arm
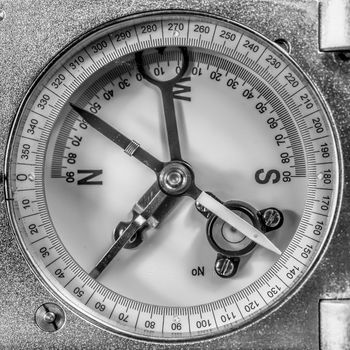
[(130, 147), (148, 212)]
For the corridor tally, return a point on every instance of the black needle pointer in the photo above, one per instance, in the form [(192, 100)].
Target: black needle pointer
[(132, 148), (166, 87)]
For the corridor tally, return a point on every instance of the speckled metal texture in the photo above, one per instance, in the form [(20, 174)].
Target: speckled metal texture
[(34, 31), (335, 324), (334, 25)]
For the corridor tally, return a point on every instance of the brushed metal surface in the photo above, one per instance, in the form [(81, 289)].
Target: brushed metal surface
[(335, 324), (334, 25), (33, 32)]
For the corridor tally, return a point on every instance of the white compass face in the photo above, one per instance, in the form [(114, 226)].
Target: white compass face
[(172, 175)]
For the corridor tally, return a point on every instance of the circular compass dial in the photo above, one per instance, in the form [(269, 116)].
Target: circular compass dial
[(172, 175)]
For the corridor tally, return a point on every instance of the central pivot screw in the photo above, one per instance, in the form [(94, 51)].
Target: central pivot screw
[(175, 178)]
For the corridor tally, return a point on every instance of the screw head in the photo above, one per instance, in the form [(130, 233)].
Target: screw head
[(203, 210), (272, 217), (224, 267), (134, 241), (50, 317)]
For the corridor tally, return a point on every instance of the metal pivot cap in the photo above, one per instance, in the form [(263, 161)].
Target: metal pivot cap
[(175, 178), (50, 317)]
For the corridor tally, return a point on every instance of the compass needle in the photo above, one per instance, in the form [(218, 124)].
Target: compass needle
[(109, 156), (166, 87), (132, 148)]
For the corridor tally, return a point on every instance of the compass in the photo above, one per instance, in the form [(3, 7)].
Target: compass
[(173, 176)]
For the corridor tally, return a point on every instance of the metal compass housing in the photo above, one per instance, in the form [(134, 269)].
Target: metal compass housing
[(173, 176)]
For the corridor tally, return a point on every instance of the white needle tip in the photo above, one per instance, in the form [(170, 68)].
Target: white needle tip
[(276, 250)]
